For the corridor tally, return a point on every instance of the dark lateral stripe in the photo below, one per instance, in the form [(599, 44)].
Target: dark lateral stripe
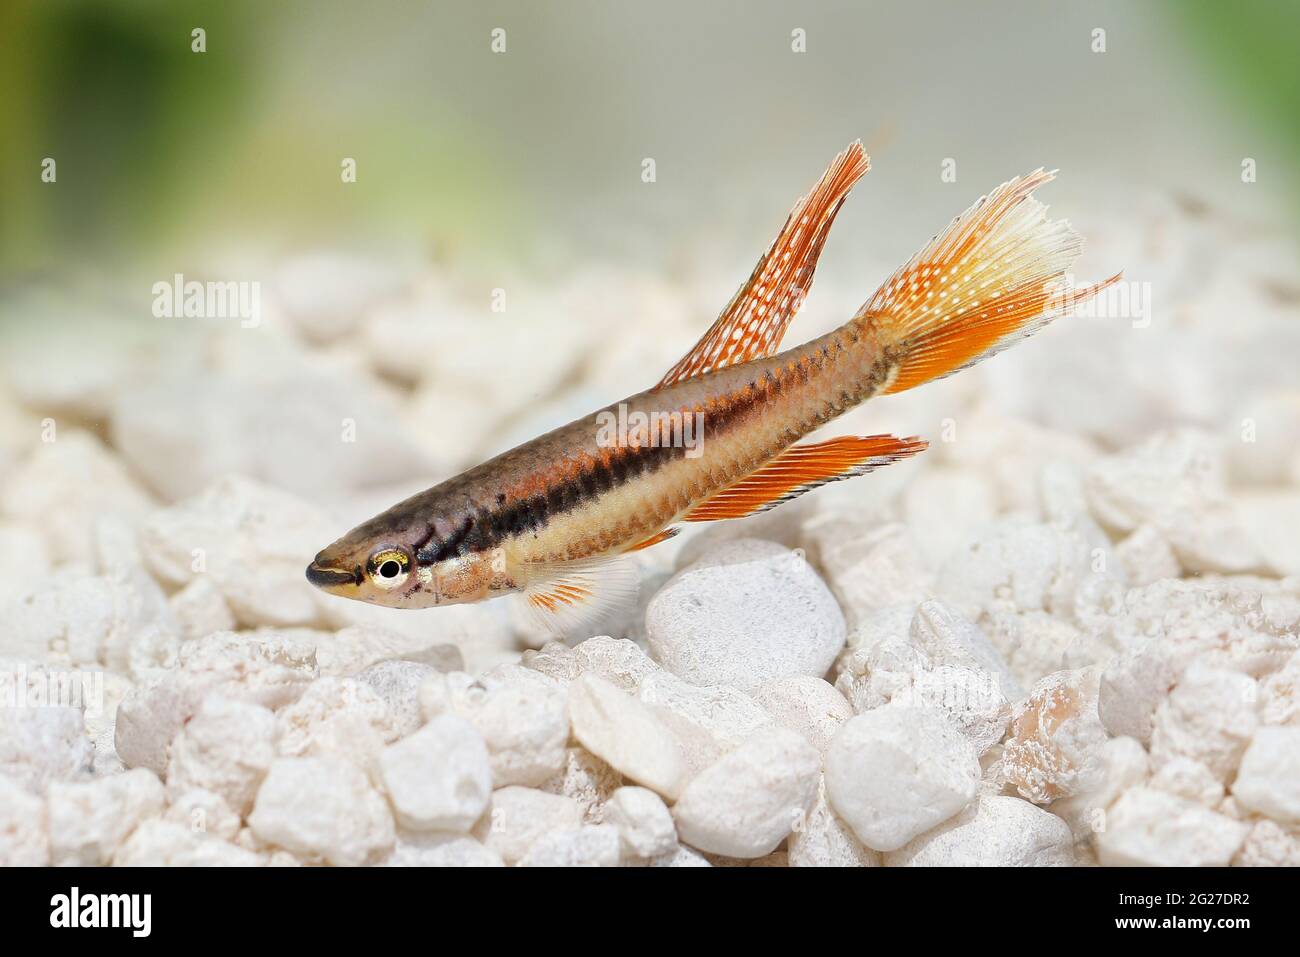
[(454, 544), (488, 528)]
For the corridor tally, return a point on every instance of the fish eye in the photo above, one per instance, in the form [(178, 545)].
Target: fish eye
[(389, 567)]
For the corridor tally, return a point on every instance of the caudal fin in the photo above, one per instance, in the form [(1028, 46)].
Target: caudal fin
[(994, 276)]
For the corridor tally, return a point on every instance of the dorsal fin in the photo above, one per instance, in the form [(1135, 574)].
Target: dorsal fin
[(752, 324), (803, 467)]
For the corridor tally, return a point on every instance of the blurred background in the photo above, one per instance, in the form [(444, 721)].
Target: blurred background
[(504, 261), (515, 156)]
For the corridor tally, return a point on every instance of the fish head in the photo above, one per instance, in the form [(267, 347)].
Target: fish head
[(391, 562)]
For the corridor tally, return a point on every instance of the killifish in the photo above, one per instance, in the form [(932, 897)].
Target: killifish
[(719, 436)]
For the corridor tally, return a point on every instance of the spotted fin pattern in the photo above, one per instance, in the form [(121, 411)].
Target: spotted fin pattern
[(753, 323), (994, 276)]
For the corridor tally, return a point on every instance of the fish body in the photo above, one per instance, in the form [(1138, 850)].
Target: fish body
[(717, 437)]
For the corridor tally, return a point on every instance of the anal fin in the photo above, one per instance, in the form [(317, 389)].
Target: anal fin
[(803, 467)]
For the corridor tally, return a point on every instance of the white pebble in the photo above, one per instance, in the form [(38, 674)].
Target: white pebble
[(821, 839), (39, 743), (206, 812), (1146, 827), (517, 817), (870, 565), (89, 820), (1269, 457), (683, 856), (946, 638), (24, 828), (707, 721), (201, 609), (64, 487), (300, 417), (1279, 698), (1174, 481), (968, 698), (226, 748), (995, 832), (748, 611), (874, 672), (164, 843), (441, 850), (1035, 643), (397, 683), (322, 808), (1269, 844), (1269, 778), (1161, 629), (1122, 764), (896, 772), (1017, 563), (327, 294), (337, 716), (591, 845), (351, 650), (87, 620), (438, 779), (24, 564), (627, 734), (807, 705), (271, 671), (750, 800), (523, 718), (616, 659), (644, 823), (944, 508), (1210, 716), (588, 780), (1147, 556), (1188, 778), (249, 541)]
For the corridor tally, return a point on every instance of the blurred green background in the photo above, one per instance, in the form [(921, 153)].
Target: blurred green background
[(535, 155)]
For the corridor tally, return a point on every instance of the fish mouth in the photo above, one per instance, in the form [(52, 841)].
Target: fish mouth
[(323, 576)]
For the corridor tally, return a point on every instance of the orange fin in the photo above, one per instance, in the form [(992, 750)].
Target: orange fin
[(994, 276), (803, 467), (573, 599), (752, 324), (663, 536)]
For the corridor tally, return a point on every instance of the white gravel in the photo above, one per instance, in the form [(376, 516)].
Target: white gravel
[(747, 612), (1068, 633), (439, 778), (895, 772), (748, 802)]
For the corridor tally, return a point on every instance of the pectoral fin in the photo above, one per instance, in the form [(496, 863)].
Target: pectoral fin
[(573, 599)]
